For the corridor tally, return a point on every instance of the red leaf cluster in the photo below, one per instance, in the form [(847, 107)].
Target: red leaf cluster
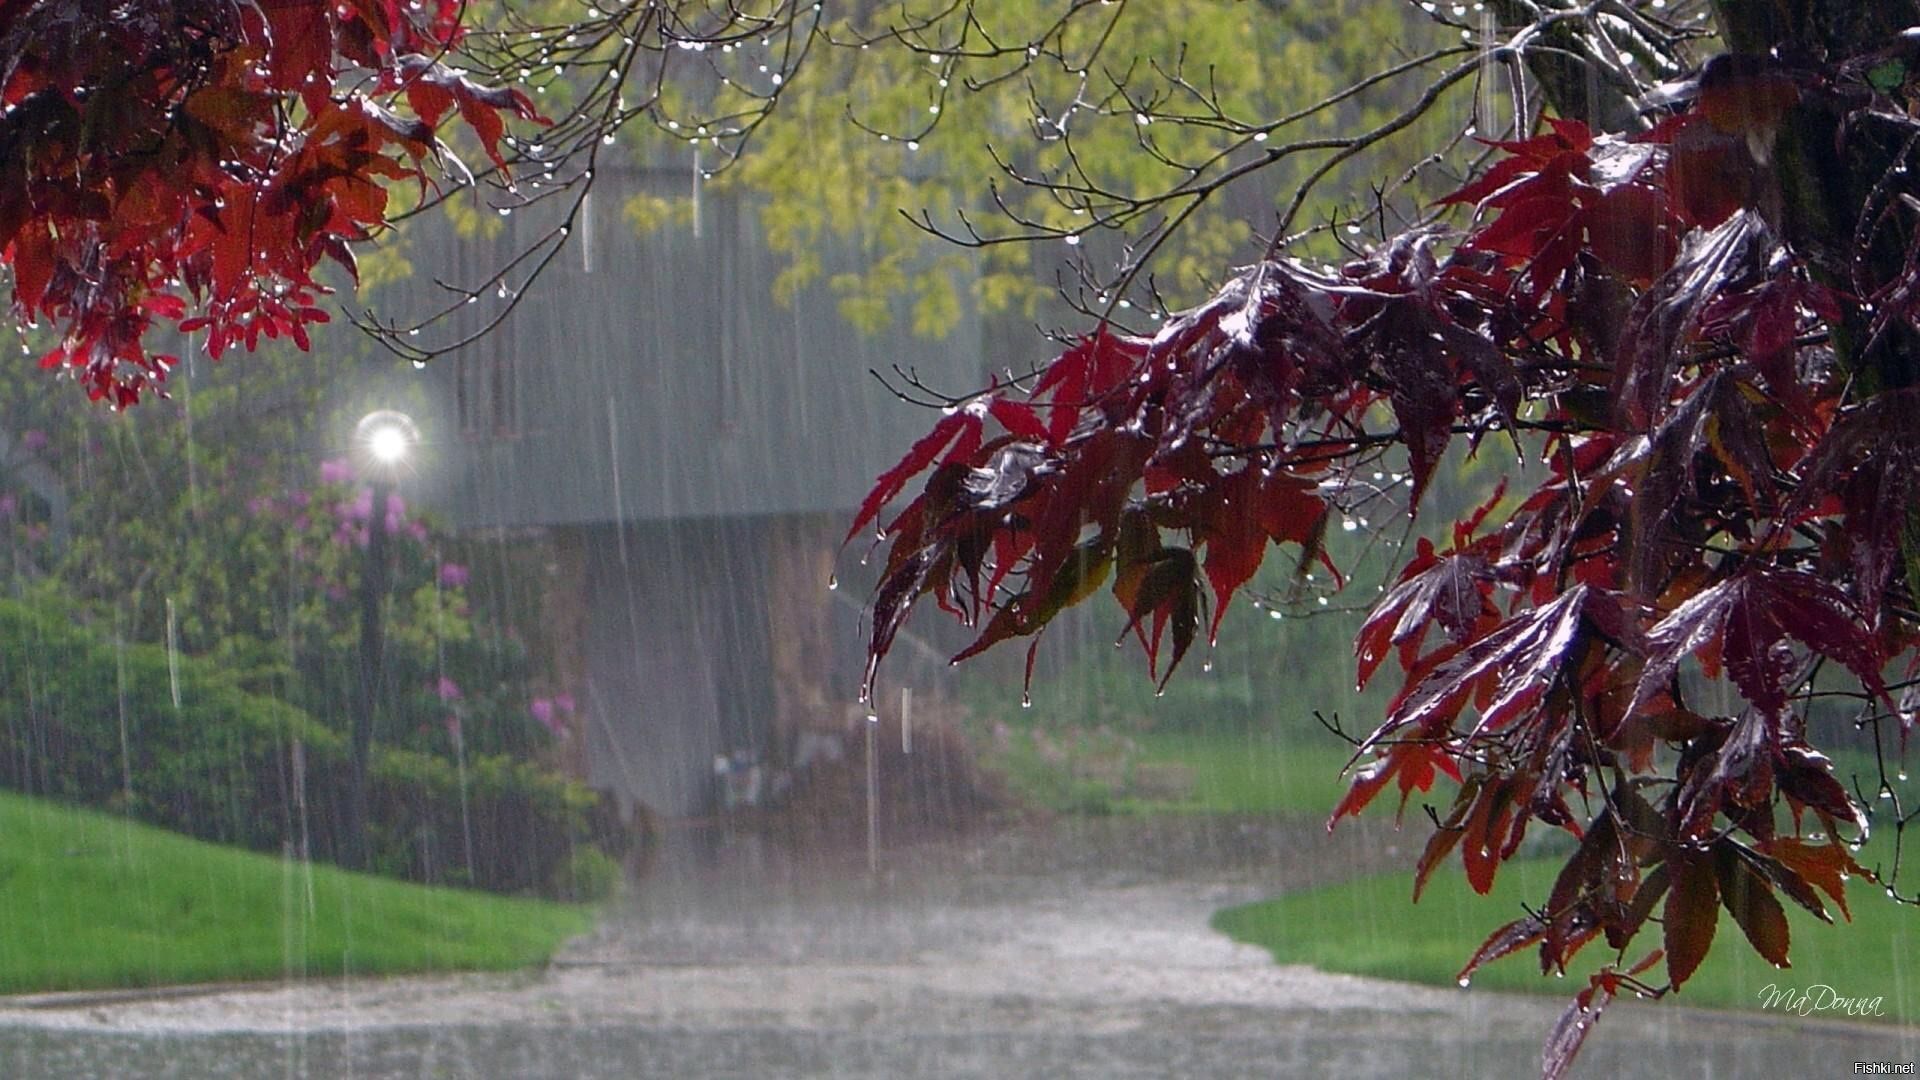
[(1721, 496), (192, 162)]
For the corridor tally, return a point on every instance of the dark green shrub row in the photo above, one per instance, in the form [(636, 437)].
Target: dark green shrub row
[(179, 744)]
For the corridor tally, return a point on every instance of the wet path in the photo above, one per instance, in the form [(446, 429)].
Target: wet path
[(1077, 950)]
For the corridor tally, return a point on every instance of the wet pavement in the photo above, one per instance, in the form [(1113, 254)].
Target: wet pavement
[(1072, 949)]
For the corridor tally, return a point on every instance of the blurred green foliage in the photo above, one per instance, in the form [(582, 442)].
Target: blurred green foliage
[(874, 131), (178, 742)]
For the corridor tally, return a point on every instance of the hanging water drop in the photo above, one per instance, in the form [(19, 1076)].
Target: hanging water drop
[(833, 582)]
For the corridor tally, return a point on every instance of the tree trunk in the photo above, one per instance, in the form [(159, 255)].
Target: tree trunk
[(1827, 176)]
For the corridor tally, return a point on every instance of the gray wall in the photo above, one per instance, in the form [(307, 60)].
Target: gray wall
[(670, 416), (676, 656), (656, 378)]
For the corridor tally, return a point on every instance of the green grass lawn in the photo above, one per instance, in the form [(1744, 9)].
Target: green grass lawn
[(1074, 770), (1369, 926), (94, 901), (1251, 773)]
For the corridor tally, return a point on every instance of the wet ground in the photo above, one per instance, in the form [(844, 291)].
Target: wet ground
[(1076, 949)]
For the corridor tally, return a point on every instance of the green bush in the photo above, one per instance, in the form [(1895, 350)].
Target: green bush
[(588, 876), (176, 742)]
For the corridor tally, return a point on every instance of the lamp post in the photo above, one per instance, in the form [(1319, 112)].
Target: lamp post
[(382, 442)]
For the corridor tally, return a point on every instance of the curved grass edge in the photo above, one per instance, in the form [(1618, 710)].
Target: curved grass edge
[(1370, 926), (97, 902)]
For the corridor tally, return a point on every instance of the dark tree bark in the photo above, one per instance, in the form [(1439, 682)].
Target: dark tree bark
[(1829, 174)]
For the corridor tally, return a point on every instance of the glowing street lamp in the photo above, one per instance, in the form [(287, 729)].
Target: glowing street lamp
[(383, 441)]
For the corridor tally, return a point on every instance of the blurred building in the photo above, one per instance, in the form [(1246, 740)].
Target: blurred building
[(692, 451)]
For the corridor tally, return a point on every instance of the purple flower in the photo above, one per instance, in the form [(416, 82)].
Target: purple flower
[(33, 440), (300, 498), (7, 504), (453, 575), (393, 523), (448, 689), (453, 727), (361, 509), (336, 471), (417, 530), (396, 506), (542, 710), (563, 702), (259, 505)]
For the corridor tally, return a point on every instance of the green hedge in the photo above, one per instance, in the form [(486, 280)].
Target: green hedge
[(244, 769)]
